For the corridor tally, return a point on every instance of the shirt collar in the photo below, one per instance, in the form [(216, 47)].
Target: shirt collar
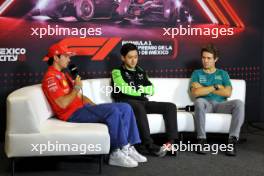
[(52, 68)]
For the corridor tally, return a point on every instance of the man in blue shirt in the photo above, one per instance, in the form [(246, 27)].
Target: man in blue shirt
[(211, 87)]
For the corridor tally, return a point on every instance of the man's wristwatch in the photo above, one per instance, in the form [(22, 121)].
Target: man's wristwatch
[(216, 87), (78, 88)]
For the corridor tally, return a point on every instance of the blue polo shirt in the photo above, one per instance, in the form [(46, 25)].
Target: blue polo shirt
[(205, 79)]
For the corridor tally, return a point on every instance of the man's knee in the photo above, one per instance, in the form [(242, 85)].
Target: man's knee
[(114, 111), (124, 106), (138, 108), (171, 106), (239, 107), (238, 104)]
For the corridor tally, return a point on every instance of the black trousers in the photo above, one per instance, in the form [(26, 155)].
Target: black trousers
[(142, 108)]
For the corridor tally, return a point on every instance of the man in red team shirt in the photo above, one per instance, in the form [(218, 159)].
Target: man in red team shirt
[(68, 104)]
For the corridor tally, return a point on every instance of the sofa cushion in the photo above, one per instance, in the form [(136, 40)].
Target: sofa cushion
[(100, 89), (215, 123), (175, 90)]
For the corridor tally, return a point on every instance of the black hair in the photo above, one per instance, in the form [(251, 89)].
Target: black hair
[(127, 47), (51, 60)]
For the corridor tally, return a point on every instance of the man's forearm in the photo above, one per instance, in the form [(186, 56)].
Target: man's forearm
[(224, 92), (149, 90), (66, 100), (202, 91)]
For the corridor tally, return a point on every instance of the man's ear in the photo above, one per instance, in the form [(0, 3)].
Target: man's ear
[(123, 58), (216, 59), (56, 58)]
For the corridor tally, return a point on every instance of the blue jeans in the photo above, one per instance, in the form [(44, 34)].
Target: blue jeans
[(119, 117)]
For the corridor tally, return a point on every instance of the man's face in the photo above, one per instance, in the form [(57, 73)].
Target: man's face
[(208, 60), (131, 59), (63, 61)]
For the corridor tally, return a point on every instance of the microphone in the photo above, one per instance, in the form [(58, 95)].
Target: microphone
[(73, 70)]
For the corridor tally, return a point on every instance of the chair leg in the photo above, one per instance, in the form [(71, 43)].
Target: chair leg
[(13, 166), (105, 159), (181, 136), (100, 159)]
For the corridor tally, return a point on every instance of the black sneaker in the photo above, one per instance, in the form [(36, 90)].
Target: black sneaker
[(200, 150), (233, 141), (141, 148), (171, 148), (156, 150)]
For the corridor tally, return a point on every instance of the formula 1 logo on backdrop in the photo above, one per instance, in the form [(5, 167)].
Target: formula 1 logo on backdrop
[(97, 47), (12, 54)]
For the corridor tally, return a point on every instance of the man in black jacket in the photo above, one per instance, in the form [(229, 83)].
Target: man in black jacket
[(133, 86)]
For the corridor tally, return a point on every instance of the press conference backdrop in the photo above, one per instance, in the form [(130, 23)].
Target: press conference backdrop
[(169, 35)]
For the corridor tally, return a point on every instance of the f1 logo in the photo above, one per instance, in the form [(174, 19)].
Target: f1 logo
[(97, 47)]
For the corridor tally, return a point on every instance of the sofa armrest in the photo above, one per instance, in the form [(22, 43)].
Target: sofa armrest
[(21, 116)]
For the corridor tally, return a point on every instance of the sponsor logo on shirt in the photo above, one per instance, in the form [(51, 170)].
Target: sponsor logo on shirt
[(58, 76), (218, 77), (202, 79), (140, 76)]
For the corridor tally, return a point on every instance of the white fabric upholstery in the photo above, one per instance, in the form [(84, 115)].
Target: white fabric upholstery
[(29, 123), (99, 87), (175, 90), (58, 132), (29, 117), (27, 108)]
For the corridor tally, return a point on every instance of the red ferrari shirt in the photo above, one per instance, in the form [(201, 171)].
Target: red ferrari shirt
[(56, 84)]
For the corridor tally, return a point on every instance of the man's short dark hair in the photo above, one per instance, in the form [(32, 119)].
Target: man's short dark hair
[(210, 48), (51, 60), (127, 47)]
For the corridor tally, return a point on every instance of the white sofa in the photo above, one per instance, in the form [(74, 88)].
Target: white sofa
[(175, 90), (29, 117)]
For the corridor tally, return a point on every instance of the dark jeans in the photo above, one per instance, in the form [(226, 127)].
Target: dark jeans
[(142, 108)]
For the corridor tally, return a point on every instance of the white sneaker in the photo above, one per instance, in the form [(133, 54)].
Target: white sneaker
[(133, 153), (119, 158)]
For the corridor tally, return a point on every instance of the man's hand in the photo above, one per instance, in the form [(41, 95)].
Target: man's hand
[(220, 86), (223, 91), (78, 81)]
